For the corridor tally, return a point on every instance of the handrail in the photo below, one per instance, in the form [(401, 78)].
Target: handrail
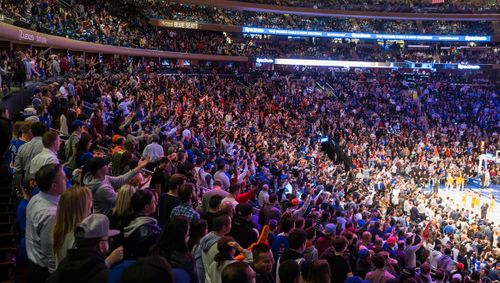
[(255, 7), (17, 34)]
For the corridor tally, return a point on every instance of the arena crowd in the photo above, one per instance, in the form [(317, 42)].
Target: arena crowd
[(131, 175)]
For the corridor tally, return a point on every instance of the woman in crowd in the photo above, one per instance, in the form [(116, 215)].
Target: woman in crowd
[(173, 246), (227, 248), (141, 231), (74, 206), (120, 212)]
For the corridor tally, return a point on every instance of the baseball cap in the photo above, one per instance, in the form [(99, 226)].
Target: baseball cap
[(460, 266), (77, 123), (94, 164), (244, 209), (363, 253), (295, 201), (392, 240), (95, 226), (329, 229)]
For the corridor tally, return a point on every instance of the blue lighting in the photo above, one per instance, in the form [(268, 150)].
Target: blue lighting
[(425, 37)]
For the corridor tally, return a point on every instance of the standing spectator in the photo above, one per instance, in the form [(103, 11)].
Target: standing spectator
[(159, 179), (119, 214), (325, 241), (410, 251), (227, 248), (264, 195), (173, 246), (208, 244), (243, 230), (27, 152), (96, 178), (40, 219), (70, 144), (169, 200), (379, 274), (185, 208), (281, 242), (297, 241), (74, 205), (222, 176), (340, 268), (142, 231), (263, 262), (48, 155), (289, 272), (153, 150), (97, 125), (86, 262), (15, 144), (238, 272)]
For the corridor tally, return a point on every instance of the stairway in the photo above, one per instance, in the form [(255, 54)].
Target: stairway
[(9, 239)]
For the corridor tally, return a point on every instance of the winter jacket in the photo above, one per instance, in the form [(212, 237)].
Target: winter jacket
[(139, 236)]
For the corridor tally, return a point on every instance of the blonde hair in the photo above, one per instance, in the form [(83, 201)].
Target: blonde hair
[(123, 198), (74, 205)]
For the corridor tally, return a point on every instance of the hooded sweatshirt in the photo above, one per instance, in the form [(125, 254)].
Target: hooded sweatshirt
[(204, 256), (81, 265), (103, 190), (140, 235)]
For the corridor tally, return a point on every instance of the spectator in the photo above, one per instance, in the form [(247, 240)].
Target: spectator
[(86, 263), (170, 200), (71, 143), (185, 207), (340, 268), (74, 205), (238, 272), (27, 152), (142, 231), (153, 150), (263, 262), (208, 244), (40, 219), (319, 272), (281, 242), (174, 248), (16, 142), (243, 230), (289, 272), (48, 155), (119, 213), (226, 247), (379, 274), (95, 176)]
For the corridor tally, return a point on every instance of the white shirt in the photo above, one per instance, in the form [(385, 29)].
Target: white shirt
[(154, 151), (64, 92), (40, 218), (45, 157), (263, 198)]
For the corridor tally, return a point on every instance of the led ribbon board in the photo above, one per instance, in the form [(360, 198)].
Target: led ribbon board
[(355, 35)]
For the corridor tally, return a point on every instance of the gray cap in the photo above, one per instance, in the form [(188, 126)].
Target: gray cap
[(96, 226)]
